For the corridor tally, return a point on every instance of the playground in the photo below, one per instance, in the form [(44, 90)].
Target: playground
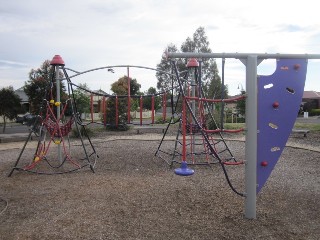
[(140, 197), (187, 181)]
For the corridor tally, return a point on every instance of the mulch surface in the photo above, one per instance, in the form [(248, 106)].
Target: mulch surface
[(135, 195)]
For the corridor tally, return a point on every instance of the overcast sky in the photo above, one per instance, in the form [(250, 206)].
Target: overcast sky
[(97, 33)]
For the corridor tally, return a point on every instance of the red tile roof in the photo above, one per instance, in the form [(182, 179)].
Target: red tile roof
[(311, 95)]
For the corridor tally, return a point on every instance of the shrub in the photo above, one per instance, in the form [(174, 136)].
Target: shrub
[(159, 120), (120, 127), (83, 131), (314, 112)]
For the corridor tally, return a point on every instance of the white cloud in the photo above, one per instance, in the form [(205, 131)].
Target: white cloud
[(89, 34)]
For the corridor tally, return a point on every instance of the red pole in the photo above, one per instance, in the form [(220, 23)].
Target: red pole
[(184, 119), (129, 90), (152, 109), (141, 105), (104, 111), (117, 111), (91, 103)]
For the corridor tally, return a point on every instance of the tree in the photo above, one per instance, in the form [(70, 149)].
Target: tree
[(210, 78), (241, 105), (10, 105), (120, 88), (147, 101), (215, 85), (41, 86), (82, 99), (165, 80)]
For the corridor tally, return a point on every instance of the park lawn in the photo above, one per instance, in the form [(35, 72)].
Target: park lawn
[(309, 126)]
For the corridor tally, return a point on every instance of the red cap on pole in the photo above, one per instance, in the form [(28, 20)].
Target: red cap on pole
[(57, 60), (192, 63)]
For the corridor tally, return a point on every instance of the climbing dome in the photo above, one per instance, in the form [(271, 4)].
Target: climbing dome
[(48, 148)]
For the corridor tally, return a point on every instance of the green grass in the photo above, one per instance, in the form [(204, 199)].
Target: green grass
[(309, 126), (234, 125)]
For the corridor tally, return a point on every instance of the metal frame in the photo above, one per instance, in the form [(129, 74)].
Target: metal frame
[(251, 61)]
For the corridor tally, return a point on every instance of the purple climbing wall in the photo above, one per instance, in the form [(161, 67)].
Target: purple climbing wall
[(279, 99)]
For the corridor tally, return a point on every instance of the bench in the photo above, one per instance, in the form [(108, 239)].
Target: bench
[(303, 131), (142, 129)]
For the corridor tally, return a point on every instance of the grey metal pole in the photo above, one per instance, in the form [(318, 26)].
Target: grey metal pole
[(222, 96), (251, 137), (240, 55), (193, 106), (193, 92), (58, 107)]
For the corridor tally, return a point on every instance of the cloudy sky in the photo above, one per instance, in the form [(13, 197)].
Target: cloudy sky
[(96, 33)]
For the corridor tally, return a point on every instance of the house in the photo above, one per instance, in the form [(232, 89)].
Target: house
[(97, 100), (310, 100), (232, 106), (24, 99)]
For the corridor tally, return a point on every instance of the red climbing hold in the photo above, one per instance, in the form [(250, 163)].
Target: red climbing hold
[(275, 105), (296, 66)]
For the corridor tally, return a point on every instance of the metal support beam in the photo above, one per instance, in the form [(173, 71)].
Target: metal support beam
[(240, 55), (251, 137), (58, 107)]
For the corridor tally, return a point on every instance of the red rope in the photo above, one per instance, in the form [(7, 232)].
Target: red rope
[(64, 129), (55, 130), (217, 100), (52, 131), (206, 148), (40, 154)]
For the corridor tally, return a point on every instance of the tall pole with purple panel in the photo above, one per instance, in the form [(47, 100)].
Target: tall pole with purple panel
[(265, 120)]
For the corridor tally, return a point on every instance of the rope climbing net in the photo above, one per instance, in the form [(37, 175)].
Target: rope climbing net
[(55, 153), (196, 143)]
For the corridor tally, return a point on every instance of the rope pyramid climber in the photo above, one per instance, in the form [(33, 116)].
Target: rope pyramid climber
[(195, 143), (54, 153)]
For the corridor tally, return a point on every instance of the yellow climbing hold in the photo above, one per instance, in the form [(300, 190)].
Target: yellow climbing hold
[(51, 101), (57, 104), (36, 159), (57, 141)]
